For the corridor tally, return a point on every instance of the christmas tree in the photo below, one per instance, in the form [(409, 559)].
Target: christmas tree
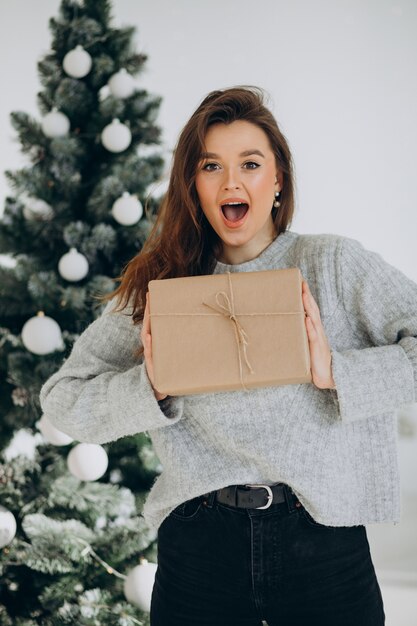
[(74, 546)]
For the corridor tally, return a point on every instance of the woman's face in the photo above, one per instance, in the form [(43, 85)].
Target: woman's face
[(238, 167)]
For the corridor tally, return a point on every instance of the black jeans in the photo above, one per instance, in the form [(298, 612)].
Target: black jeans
[(225, 566)]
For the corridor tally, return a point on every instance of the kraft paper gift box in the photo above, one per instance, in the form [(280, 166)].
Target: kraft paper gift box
[(230, 331)]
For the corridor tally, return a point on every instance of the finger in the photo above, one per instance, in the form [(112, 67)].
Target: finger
[(149, 362), (145, 331), (307, 300), (146, 323), (306, 290), (311, 329), (310, 304), (149, 345), (147, 348), (148, 306), (315, 326)]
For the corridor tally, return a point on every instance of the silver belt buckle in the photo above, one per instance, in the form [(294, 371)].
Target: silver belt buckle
[(270, 495)]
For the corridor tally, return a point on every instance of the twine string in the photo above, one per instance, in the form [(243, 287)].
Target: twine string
[(240, 334)]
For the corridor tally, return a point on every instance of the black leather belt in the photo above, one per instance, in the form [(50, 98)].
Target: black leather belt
[(251, 496)]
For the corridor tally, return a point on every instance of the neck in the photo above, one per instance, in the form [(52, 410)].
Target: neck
[(248, 251)]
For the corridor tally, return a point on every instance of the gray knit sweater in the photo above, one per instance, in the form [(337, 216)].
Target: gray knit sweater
[(337, 449)]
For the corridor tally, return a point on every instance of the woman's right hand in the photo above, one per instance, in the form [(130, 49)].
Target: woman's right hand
[(146, 338)]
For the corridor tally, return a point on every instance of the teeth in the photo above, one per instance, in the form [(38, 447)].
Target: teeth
[(232, 203)]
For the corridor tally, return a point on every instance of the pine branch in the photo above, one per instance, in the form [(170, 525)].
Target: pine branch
[(21, 365), (63, 589), (69, 9), (29, 131), (91, 500), (112, 107), (43, 287), (125, 540), (99, 10), (97, 606), (50, 72), (104, 67), (45, 104), (102, 240), (31, 181), (75, 98), (75, 300), (5, 619), (55, 546), (14, 296), (120, 43), (87, 32), (16, 479), (135, 63), (60, 31)]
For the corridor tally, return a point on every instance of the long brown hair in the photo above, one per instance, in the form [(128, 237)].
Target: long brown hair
[(182, 242)]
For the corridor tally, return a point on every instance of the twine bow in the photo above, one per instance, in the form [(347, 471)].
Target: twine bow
[(240, 334)]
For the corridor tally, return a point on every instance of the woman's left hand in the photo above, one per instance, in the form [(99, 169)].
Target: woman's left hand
[(320, 356)]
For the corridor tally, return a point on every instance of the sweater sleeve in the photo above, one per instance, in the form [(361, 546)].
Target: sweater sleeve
[(102, 391), (381, 303)]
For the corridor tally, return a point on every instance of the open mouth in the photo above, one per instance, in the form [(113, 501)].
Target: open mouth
[(235, 211)]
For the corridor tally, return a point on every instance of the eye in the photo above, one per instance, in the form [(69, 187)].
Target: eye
[(252, 163), (208, 167)]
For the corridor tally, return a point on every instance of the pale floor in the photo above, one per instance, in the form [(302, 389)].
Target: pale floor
[(400, 605), (394, 554)]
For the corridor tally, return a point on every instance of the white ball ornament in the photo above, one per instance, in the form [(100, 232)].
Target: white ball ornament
[(116, 136), (55, 124), (121, 84), (139, 583), (42, 335), (87, 461), (37, 209), (77, 62), (51, 434), (127, 209), (7, 526), (73, 266)]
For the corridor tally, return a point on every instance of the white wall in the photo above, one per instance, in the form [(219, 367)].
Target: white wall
[(341, 76)]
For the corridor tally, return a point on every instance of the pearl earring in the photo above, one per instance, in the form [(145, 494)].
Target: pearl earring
[(277, 203)]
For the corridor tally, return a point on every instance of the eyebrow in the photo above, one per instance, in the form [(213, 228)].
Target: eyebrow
[(212, 155)]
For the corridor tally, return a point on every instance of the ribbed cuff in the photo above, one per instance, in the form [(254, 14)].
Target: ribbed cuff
[(372, 381)]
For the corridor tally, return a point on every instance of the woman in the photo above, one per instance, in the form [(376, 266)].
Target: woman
[(262, 503)]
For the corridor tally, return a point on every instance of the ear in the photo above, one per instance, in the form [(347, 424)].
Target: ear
[(279, 180)]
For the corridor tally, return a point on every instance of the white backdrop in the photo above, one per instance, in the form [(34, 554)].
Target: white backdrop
[(341, 76)]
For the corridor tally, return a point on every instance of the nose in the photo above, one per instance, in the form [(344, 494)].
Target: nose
[(231, 179)]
